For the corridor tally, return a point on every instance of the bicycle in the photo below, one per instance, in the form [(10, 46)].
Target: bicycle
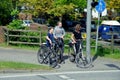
[(59, 49), (78, 58), (47, 55)]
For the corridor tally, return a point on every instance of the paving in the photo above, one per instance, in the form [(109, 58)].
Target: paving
[(30, 56)]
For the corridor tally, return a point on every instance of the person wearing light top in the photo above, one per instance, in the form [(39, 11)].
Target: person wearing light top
[(59, 33)]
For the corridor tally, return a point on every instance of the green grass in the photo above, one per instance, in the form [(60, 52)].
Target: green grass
[(106, 52), (27, 47), (21, 66)]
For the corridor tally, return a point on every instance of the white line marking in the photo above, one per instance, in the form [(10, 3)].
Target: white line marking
[(71, 79), (59, 73), (64, 77)]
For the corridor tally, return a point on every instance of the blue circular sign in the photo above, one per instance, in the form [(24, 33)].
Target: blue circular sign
[(101, 6)]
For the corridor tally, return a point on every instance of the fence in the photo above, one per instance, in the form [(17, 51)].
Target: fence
[(8, 35)]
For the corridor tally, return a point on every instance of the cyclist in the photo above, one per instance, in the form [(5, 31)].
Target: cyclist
[(59, 33), (50, 37), (76, 37)]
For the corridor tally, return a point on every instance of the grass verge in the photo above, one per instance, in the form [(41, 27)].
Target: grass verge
[(26, 47), (107, 52), (21, 66)]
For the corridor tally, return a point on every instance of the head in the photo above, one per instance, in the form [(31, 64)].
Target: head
[(50, 30), (77, 27), (59, 24)]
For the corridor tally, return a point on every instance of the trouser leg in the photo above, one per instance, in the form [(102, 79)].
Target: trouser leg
[(62, 48), (77, 47)]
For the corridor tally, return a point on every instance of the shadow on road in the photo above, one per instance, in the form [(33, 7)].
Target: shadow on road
[(113, 66), (65, 57), (95, 57)]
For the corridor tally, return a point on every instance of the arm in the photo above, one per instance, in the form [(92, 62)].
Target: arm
[(48, 39), (63, 33), (73, 38), (54, 33)]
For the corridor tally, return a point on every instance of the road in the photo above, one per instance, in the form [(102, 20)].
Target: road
[(74, 75), (18, 55), (30, 56), (103, 68)]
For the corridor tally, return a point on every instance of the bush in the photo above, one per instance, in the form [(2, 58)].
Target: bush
[(15, 24)]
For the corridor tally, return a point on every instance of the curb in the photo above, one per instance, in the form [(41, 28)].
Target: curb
[(23, 71)]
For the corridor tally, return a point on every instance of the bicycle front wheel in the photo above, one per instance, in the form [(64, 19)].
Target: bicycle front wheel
[(60, 55), (80, 62)]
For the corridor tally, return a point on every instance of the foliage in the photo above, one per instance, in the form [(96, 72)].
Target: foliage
[(104, 51), (40, 6), (113, 7), (113, 4), (59, 10), (66, 7), (53, 7), (14, 12), (5, 11), (15, 24)]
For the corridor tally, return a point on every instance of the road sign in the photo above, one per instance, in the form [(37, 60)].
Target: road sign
[(101, 6)]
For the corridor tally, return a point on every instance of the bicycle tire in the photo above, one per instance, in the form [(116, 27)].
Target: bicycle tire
[(40, 56), (88, 64), (59, 54), (80, 62), (53, 60)]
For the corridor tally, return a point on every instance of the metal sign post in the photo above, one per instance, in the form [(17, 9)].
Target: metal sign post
[(88, 29), (97, 32), (100, 8)]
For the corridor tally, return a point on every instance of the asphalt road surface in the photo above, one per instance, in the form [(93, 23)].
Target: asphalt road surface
[(103, 68), (29, 56), (74, 75)]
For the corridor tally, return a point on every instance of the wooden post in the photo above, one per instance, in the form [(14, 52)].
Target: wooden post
[(40, 40), (112, 41), (7, 37)]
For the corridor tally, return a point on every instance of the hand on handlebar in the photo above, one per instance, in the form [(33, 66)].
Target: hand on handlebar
[(62, 37), (74, 42)]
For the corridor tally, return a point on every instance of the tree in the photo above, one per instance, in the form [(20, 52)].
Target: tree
[(62, 7), (53, 7), (60, 10), (5, 11), (37, 7), (113, 4), (113, 7)]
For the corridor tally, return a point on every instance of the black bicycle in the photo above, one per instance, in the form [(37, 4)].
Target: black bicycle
[(78, 58), (59, 49), (47, 55)]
